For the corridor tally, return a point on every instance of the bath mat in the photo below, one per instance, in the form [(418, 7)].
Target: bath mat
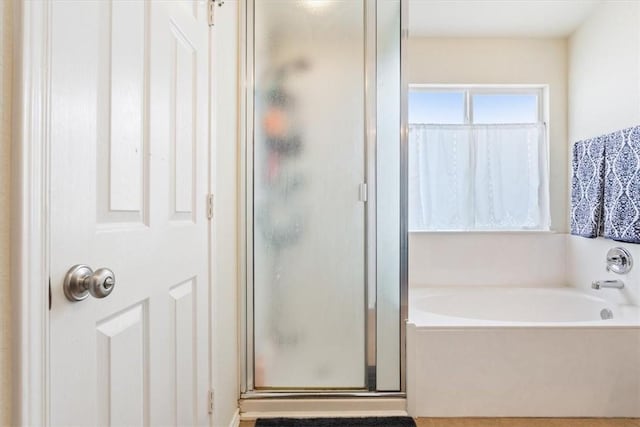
[(337, 422)]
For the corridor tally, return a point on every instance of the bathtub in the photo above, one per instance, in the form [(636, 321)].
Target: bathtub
[(521, 352)]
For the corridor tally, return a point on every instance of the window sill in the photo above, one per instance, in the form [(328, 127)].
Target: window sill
[(483, 232)]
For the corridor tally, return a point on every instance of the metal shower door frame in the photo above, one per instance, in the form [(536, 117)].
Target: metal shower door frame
[(246, 241)]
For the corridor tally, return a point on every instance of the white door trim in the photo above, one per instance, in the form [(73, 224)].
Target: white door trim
[(30, 214)]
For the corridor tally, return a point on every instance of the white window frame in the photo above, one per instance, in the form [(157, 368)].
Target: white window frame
[(542, 92)]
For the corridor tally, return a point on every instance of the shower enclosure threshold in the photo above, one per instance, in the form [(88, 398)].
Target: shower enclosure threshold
[(307, 405), (320, 394)]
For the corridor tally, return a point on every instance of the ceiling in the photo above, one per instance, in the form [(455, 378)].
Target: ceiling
[(497, 18)]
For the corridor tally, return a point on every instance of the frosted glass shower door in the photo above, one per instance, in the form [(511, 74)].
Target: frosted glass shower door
[(308, 216)]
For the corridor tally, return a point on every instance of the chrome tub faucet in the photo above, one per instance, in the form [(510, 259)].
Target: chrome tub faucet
[(599, 284)]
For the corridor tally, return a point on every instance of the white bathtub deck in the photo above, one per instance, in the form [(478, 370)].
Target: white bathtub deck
[(515, 308), (466, 367)]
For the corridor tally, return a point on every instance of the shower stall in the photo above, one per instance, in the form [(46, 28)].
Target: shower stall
[(324, 206)]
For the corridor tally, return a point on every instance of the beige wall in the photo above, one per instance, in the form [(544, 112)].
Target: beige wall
[(604, 95), (604, 71), (5, 164), (225, 357), (508, 61), (497, 61)]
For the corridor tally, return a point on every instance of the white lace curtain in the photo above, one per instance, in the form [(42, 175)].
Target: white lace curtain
[(478, 177)]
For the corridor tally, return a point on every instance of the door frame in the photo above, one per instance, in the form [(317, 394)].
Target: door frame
[(30, 215), (30, 212)]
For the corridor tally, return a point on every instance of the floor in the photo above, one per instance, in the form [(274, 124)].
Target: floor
[(517, 422)]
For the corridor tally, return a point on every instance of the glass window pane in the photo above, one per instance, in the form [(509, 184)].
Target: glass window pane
[(436, 107), (505, 108), (388, 184)]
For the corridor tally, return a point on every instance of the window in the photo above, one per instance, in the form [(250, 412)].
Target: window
[(437, 107), (477, 159)]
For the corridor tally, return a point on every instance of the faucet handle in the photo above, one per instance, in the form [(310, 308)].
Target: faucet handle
[(619, 260)]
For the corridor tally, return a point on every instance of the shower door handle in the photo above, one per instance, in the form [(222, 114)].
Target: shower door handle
[(362, 192)]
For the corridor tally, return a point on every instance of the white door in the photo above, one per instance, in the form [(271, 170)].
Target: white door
[(129, 178)]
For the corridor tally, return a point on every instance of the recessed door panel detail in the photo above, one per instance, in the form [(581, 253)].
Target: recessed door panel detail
[(183, 122), (122, 132), (197, 8), (184, 329), (123, 393)]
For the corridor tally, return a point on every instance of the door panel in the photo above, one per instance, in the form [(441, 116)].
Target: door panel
[(184, 302), (122, 79), (126, 69), (308, 210), (129, 178), (122, 341), (183, 86)]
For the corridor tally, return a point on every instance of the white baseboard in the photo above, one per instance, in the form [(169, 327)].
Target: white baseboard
[(235, 421), (250, 409)]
